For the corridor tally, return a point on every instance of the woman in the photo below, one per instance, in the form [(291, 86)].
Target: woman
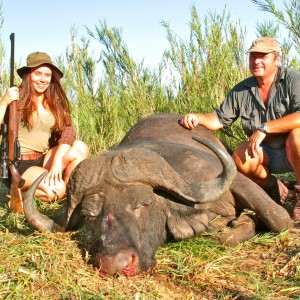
[(47, 138)]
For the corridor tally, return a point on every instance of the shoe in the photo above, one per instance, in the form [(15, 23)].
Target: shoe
[(296, 210)]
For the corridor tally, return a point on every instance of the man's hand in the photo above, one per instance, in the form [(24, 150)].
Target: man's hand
[(254, 142), (190, 121)]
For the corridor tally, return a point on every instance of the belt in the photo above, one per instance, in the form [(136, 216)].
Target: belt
[(31, 156)]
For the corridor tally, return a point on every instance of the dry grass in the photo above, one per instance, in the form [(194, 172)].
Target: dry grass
[(56, 266)]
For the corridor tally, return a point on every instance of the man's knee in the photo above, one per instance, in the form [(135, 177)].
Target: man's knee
[(245, 164), (293, 140), (239, 156)]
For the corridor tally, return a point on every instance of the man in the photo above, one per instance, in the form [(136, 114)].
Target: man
[(268, 104)]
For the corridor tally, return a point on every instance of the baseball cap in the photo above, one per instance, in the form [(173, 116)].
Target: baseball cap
[(264, 45)]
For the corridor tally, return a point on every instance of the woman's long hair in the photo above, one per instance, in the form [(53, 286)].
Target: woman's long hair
[(55, 101)]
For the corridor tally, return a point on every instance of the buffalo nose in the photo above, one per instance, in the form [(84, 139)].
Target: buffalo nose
[(124, 262)]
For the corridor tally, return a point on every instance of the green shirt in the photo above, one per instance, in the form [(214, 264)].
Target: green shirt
[(244, 102)]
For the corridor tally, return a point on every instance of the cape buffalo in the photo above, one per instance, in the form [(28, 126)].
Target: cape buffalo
[(160, 183)]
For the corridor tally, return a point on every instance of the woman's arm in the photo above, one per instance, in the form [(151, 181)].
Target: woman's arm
[(11, 95)]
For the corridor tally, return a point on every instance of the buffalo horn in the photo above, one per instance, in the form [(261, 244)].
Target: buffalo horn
[(144, 165), (36, 219)]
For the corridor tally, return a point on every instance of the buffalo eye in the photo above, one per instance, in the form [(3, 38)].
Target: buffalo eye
[(91, 205), (141, 208)]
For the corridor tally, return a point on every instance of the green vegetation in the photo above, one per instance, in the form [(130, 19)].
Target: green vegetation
[(109, 94)]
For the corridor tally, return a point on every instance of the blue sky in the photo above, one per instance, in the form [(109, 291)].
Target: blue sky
[(45, 25)]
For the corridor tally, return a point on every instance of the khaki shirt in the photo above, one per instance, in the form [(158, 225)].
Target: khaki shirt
[(67, 136), (244, 102), (36, 138)]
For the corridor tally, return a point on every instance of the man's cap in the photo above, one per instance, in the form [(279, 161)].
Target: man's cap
[(264, 45), (37, 59)]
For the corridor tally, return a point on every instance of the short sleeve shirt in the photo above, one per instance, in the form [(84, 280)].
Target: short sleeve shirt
[(244, 102)]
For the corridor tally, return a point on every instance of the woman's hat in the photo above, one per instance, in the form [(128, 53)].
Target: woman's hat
[(37, 59)]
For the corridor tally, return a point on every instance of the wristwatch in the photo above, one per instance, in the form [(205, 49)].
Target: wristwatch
[(262, 128)]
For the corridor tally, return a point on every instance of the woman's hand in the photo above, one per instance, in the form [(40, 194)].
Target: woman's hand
[(55, 164), (54, 175)]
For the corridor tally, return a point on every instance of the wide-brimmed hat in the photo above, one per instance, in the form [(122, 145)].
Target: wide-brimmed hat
[(37, 59), (264, 45)]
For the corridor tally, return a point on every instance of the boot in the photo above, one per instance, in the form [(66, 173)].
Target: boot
[(272, 189), (15, 202), (296, 210)]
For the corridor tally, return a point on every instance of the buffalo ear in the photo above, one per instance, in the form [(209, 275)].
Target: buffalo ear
[(186, 222)]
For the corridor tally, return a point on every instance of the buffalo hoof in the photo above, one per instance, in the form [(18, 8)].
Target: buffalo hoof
[(243, 229)]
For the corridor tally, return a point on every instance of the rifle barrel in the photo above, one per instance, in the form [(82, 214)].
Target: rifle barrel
[(12, 59)]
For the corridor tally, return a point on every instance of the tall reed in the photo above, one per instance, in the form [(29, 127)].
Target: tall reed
[(201, 71), (209, 64)]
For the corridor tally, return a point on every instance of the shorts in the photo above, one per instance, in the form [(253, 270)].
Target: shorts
[(278, 161), (26, 164)]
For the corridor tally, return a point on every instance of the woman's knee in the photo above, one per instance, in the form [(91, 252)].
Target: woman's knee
[(81, 149), (52, 193)]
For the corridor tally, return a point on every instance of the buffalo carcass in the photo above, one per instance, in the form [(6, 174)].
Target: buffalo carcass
[(159, 184)]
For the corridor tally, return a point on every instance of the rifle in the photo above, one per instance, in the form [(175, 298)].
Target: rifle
[(11, 135)]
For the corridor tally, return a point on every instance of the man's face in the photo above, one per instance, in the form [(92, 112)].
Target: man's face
[(263, 64)]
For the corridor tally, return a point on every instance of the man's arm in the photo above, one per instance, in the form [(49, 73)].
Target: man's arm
[(284, 124), (208, 120)]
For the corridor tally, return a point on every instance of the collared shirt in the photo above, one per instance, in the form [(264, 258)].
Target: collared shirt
[(244, 102)]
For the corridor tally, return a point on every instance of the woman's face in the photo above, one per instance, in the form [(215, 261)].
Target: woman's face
[(40, 78)]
